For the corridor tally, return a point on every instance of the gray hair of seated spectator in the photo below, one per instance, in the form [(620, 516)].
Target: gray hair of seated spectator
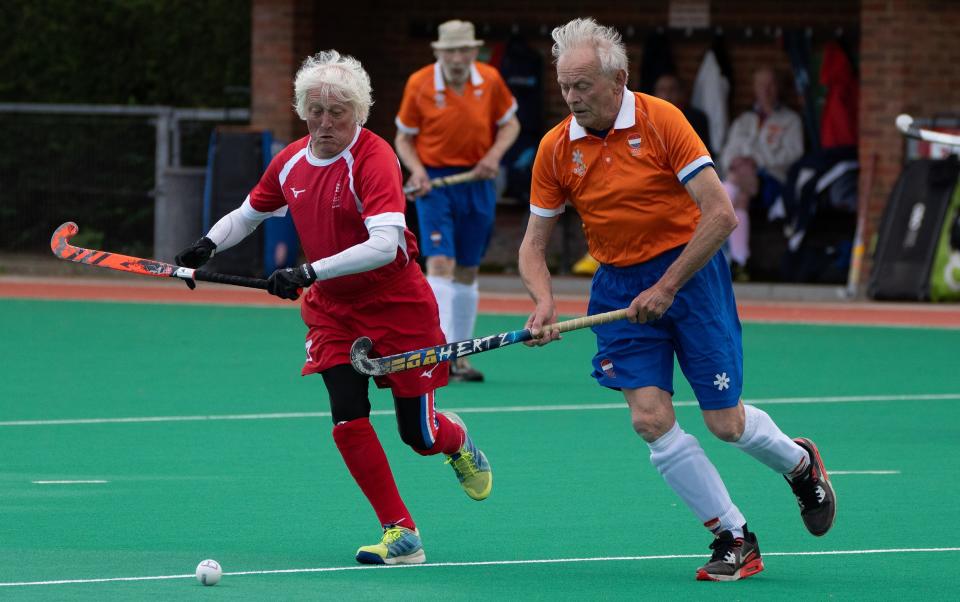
[(588, 33), (335, 76)]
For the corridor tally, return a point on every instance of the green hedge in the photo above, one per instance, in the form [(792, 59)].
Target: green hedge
[(99, 170), (168, 52)]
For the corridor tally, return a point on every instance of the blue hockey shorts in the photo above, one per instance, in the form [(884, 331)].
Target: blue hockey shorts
[(701, 329), (457, 221)]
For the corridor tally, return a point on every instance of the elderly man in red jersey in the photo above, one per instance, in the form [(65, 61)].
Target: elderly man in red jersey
[(342, 185)]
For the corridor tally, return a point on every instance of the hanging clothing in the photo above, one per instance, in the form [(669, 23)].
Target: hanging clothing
[(657, 60), (711, 93), (521, 67), (797, 46), (701, 125), (838, 124)]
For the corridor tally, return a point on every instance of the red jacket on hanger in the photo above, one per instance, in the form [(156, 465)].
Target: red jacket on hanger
[(838, 124)]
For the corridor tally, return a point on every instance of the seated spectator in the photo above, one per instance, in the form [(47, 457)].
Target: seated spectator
[(669, 87), (761, 146)]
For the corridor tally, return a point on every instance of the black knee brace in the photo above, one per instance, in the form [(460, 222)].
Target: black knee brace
[(408, 422), (349, 398)]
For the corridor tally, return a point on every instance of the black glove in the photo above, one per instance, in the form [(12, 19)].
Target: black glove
[(196, 255), (288, 282)]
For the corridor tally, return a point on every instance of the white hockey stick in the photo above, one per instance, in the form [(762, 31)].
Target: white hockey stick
[(907, 128)]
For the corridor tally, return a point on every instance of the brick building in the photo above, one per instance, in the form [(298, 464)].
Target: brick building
[(909, 58)]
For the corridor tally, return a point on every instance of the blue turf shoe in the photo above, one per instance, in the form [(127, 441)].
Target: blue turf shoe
[(470, 465), (399, 545)]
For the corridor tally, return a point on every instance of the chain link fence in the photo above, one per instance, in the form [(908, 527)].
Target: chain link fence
[(101, 166)]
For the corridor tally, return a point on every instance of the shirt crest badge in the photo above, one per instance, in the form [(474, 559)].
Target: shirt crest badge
[(440, 99), (579, 167), (634, 141)]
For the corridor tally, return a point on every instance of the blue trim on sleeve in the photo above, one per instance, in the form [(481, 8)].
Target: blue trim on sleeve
[(693, 168), (693, 173)]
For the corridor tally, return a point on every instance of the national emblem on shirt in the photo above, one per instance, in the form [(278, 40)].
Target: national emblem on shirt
[(440, 99), (579, 167), (336, 194), (634, 141)]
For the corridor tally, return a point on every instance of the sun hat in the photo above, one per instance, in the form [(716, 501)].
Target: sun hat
[(456, 34)]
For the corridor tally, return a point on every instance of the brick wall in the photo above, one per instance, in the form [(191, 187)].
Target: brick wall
[(910, 63), (282, 33), (392, 39), (909, 54)]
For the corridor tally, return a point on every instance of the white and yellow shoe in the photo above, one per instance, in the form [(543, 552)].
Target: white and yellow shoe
[(470, 465), (399, 545)]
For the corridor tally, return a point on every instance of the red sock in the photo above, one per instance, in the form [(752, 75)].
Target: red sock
[(364, 457), (448, 439)]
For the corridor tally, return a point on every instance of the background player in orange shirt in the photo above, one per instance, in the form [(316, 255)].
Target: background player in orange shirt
[(655, 215), (457, 115), (342, 185)]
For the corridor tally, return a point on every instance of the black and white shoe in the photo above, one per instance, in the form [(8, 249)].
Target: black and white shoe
[(733, 558), (815, 496)]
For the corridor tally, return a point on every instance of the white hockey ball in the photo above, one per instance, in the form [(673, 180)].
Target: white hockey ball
[(209, 572)]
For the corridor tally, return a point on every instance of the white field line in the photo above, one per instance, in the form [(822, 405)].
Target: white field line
[(96, 481), (334, 569), (861, 324), (833, 473), (477, 410)]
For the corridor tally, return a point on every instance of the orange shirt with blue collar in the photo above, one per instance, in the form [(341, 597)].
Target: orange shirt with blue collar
[(628, 186), (451, 129)]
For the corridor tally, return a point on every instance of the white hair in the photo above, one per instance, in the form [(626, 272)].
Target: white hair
[(587, 33), (336, 76)]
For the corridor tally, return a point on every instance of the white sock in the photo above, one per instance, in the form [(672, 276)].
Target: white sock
[(466, 297), (740, 238), (443, 291), (683, 465), (763, 440)]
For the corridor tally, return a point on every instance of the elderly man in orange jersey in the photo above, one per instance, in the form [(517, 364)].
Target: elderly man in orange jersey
[(457, 115), (655, 215)]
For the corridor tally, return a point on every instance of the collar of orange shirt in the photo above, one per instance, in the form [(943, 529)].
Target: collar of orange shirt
[(439, 85), (626, 118)]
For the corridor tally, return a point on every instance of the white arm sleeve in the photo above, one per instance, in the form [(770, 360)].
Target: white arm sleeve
[(377, 251), (237, 225)]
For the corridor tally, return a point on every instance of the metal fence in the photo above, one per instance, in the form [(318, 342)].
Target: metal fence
[(102, 166)]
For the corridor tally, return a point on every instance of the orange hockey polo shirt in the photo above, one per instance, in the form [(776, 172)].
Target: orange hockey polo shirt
[(627, 187), (454, 130)]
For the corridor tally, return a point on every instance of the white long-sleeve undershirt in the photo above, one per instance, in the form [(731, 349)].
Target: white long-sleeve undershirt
[(377, 251)]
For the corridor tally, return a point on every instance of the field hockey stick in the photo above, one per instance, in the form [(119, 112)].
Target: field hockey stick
[(859, 244), (457, 178), (378, 366), (907, 128), (62, 248)]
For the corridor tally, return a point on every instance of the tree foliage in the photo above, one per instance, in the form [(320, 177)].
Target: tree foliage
[(164, 52)]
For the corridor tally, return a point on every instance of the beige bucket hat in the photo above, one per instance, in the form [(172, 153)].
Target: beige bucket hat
[(456, 34)]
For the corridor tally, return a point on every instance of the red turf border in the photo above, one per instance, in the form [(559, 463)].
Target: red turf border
[(900, 314)]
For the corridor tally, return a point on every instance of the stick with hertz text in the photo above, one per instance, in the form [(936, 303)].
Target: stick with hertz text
[(378, 366)]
